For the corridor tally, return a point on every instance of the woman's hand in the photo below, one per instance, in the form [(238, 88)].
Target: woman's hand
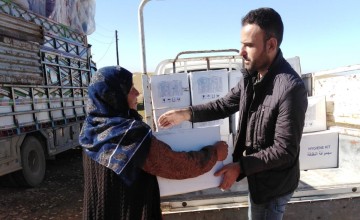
[(221, 149)]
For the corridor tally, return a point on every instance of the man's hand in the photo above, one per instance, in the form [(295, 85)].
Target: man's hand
[(174, 117), (231, 172)]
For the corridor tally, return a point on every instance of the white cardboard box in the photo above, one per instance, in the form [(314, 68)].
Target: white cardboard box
[(186, 140), (319, 150), (223, 123), (234, 78), (295, 64), (315, 117), (229, 139), (170, 90), (208, 86)]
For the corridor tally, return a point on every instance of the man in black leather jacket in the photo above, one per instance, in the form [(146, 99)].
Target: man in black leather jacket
[(271, 99)]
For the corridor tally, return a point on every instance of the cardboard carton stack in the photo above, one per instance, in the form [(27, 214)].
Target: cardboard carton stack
[(319, 147)]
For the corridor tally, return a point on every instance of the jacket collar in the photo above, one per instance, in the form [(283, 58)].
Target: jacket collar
[(278, 58)]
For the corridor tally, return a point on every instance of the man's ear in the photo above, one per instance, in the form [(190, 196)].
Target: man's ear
[(272, 44)]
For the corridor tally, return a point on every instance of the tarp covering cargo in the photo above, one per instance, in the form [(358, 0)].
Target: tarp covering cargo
[(77, 14)]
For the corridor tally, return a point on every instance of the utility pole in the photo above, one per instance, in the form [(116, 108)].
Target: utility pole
[(117, 51)]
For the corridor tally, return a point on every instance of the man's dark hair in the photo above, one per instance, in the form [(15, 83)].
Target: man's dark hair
[(268, 20)]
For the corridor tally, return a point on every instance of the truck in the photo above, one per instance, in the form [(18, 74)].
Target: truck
[(329, 182), (45, 69)]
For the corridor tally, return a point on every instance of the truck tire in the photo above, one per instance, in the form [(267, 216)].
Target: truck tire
[(33, 163)]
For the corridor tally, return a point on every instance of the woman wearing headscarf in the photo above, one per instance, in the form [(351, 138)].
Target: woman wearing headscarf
[(122, 158)]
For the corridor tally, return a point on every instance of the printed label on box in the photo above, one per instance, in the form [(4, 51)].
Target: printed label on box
[(319, 150), (170, 90)]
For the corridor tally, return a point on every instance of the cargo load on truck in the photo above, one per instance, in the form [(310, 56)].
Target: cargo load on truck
[(45, 69), (79, 15)]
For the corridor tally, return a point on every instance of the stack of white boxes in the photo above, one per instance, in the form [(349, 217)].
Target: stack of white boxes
[(172, 91), (319, 147), (315, 117)]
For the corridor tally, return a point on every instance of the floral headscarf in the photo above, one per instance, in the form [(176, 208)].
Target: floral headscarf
[(114, 135)]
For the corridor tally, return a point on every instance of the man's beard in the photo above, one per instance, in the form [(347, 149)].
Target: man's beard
[(262, 62)]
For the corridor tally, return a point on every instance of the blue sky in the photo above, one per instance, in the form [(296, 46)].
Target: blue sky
[(323, 33)]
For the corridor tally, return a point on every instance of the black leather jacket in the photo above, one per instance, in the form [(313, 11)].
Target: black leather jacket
[(271, 120)]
